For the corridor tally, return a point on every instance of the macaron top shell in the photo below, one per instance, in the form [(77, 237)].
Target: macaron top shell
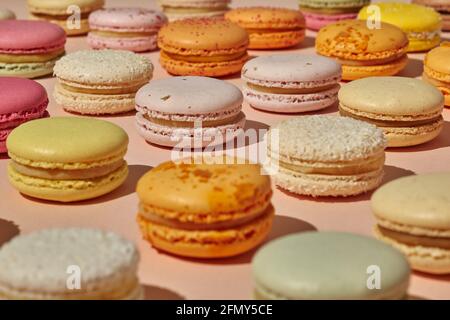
[(400, 96), (189, 95), (327, 138), (39, 261), (333, 3), (353, 40), (204, 188), (60, 6), (127, 20), (404, 15), (202, 35), (103, 67), (438, 59), (266, 17), (291, 69), (28, 37), (18, 95), (6, 14), (329, 265), (421, 201), (66, 140)]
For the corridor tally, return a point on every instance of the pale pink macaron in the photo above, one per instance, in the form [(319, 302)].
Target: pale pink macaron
[(315, 21), (133, 29), (291, 83), (189, 112), (21, 100)]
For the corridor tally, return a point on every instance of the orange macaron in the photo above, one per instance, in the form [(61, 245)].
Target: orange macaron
[(364, 51), (270, 28), (205, 210), (203, 47)]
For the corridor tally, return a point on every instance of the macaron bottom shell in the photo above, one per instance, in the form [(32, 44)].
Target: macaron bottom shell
[(135, 44), (27, 70), (67, 190), (354, 72), (208, 243), (276, 39), (315, 21), (418, 45)]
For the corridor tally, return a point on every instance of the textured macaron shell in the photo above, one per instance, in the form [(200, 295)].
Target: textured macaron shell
[(6, 14), (29, 37), (353, 40), (38, 263), (333, 3), (404, 15), (328, 265), (418, 204), (266, 17), (127, 20), (103, 67), (189, 97), (438, 60), (59, 7), (195, 190), (291, 71), (66, 141), (200, 36), (401, 97)]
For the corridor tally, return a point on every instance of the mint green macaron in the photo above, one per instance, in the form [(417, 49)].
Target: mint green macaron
[(329, 265)]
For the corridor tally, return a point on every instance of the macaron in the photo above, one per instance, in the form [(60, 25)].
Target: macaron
[(133, 29), (329, 266), (270, 28), (441, 6), (291, 82), (203, 47), (183, 9), (205, 209), (319, 13), (364, 51), (408, 110), (413, 215), (437, 70), (6, 14), (29, 49), (67, 158), (423, 33), (71, 15), (97, 82), (189, 112), (69, 264), (21, 100), (324, 155)]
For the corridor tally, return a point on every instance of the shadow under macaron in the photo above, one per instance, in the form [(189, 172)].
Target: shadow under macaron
[(151, 292), (413, 69), (8, 230)]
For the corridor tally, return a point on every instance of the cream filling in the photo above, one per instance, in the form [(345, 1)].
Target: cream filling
[(193, 58), (425, 35), (373, 62), (414, 240), (289, 90), (60, 174), (118, 34), (168, 9), (189, 124)]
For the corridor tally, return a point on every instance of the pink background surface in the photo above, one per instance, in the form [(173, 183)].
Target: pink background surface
[(169, 277)]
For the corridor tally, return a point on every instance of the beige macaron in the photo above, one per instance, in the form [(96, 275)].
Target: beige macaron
[(69, 264), (326, 155), (413, 215), (408, 110)]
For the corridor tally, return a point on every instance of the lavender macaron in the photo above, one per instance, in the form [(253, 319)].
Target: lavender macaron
[(291, 83), (189, 112), (133, 29)]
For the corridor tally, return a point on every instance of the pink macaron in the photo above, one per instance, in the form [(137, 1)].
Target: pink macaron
[(189, 112), (315, 21), (21, 100), (133, 29), (291, 83)]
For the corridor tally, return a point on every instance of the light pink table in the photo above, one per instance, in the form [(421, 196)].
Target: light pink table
[(168, 277)]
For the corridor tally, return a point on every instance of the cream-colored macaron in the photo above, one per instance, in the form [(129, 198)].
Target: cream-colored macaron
[(6, 14), (66, 264), (413, 214), (408, 110)]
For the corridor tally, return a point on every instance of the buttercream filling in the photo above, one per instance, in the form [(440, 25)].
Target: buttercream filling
[(83, 15), (338, 168), (264, 30), (352, 9), (189, 124), (289, 90), (373, 62), (60, 174), (173, 9), (438, 83), (425, 35), (118, 34), (390, 123), (108, 91), (37, 57), (193, 58), (414, 240)]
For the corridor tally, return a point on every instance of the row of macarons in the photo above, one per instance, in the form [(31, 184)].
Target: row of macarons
[(219, 207)]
